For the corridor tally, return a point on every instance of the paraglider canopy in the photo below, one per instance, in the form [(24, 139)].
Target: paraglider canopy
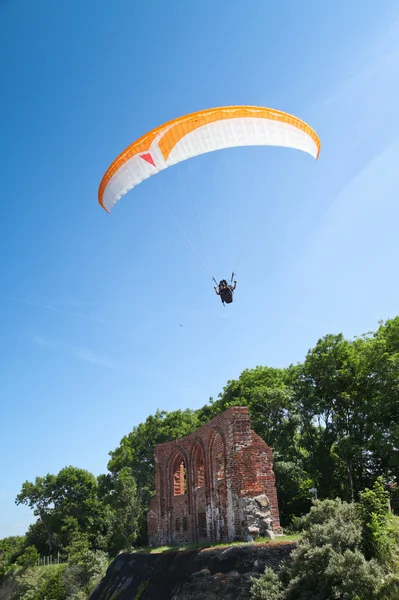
[(198, 133)]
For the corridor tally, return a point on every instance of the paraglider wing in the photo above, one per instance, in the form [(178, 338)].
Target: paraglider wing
[(198, 133)]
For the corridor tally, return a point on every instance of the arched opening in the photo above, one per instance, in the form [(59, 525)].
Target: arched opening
[(218, 486), (198, 467), (199, 492), (179, 476)]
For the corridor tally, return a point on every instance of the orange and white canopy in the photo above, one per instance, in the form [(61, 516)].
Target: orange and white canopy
[(198, 133)]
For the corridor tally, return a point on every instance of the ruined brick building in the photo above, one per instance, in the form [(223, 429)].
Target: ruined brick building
[(216, 483)]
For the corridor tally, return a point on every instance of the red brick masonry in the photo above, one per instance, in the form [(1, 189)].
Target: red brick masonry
[(216, 483)]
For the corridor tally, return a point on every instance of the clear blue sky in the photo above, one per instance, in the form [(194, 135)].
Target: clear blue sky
[(91, 304)]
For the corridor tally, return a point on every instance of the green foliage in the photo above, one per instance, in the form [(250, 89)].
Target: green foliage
[(390, 587), (270, 400), (121, 495), (29, 558), (332, 522), (66, 504), (38, 496), (44, 583), (268, 587), (84, 571), (332, 422), (71, 581), (348, 400), (379, 540), (136, 450), (293, 483), (53, 583), (10, 549), (328, 562)]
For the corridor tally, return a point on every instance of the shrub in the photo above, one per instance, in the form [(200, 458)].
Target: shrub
[(380, 533), (29, 558), (268, 587), (328, 562)]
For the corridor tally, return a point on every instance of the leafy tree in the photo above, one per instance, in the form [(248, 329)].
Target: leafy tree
[(330, 386), (121, 495), (348, 397), (85, 569), (29, 558), (292, 483), (67, 504), (11, 547), (77, 505), (38, 496), (270, 403), (136, 450), (380, 528), (332, 422), (40, 584), (38, 536), (382, 372)]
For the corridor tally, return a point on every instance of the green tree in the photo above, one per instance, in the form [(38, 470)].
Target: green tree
[(38, 536), (271, 405), (39, 497), (11, 547), (40, 584), (382, 372), (78, 507), (66, 504), (348, 398), (29, 558), (332, 388), (84, 570), (120, 493), (380, 527), (136, 450)]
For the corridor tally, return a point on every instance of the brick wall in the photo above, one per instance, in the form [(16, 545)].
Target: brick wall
[(204, 480)]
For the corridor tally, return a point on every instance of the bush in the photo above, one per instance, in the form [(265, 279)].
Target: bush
[(29, 558), (268, 587), (390, 587), (84, 571), (380, 531), (328, 562), (43, 583)]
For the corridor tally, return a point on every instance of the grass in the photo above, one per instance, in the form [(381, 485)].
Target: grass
[(281, 539)]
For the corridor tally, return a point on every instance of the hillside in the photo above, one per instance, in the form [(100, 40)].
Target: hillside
[(214, 573)]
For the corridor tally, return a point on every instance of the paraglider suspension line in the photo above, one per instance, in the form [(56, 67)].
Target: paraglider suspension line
[(189, 241)]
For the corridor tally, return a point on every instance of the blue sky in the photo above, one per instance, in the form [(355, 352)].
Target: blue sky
[(91, 304)]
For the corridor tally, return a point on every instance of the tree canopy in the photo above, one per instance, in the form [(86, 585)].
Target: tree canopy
[(332, 422)]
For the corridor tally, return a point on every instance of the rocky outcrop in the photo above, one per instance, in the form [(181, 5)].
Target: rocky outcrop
[(256, 517), (213, 574)]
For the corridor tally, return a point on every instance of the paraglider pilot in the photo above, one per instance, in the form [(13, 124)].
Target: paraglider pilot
[(225, 291)]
